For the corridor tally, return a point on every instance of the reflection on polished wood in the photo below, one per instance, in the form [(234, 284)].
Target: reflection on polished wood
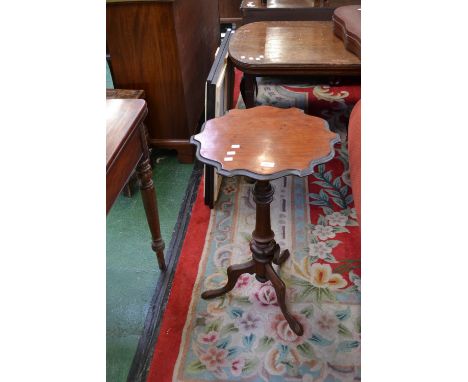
[(264, 142), (291, 47)]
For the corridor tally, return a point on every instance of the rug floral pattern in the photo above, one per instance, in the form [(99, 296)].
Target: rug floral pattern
[(243, 335)]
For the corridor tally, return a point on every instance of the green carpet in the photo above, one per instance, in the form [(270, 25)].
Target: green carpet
[(109, 82), (132, 269)]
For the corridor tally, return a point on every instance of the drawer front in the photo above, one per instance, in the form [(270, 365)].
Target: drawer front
[(120, 170)]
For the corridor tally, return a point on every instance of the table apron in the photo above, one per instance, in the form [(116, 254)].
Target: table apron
[(120, 170), (300, 71)]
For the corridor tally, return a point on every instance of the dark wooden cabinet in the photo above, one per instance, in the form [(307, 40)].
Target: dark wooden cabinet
[(229, 11), (290, 10), (165, 48)]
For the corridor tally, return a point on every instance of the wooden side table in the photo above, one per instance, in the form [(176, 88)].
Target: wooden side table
[(289, 48), (126, 149), (264, 143)]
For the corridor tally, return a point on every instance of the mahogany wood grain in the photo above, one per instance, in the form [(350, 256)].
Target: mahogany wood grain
[(291, 48), (290, 10), (273, 142), (165, 48), (198, 36), (347, 26), (126, 149), (124, 93)]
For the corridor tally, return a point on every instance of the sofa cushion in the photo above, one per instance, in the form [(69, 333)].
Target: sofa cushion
[(354, 148)]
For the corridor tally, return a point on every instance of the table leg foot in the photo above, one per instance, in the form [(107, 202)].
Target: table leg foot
[(280, 289), (233, 273)]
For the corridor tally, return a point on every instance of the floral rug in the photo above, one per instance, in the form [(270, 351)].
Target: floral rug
[(242, 336)]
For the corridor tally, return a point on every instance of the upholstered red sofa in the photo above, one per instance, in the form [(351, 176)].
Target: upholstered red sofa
[(354, 149)]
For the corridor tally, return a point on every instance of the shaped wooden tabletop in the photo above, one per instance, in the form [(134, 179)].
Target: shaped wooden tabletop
[(289, 46), (265, 142)]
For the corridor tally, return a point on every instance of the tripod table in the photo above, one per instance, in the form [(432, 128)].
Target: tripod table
[(264, 143)]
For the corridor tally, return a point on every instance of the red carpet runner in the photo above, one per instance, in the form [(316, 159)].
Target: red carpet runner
[(165, 354)]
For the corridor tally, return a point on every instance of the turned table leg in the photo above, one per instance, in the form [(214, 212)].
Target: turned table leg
[(148, 194), (248, 87), (265, 251)]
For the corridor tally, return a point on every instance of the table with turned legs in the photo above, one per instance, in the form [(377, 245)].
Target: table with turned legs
[(264, 143), (127, 149)]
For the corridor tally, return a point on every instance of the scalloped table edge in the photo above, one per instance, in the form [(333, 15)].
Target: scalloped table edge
[(275, 175)]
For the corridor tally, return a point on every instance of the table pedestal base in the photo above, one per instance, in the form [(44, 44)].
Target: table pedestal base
[(265, 251)]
